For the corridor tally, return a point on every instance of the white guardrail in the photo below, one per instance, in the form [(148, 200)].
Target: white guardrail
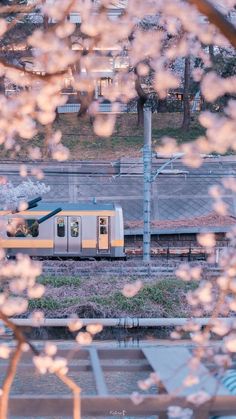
[(103, 108), (127, 322)]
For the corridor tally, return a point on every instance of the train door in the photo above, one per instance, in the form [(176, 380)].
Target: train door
[(74, 235), (67, 231), (103, 234)]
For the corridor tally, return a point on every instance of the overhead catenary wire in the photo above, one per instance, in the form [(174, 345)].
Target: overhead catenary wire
[(87, 174)]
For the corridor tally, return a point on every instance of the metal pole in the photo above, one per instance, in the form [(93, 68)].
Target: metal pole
[(123, 321), (147, 169)]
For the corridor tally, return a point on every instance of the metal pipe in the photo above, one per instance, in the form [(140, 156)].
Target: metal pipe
[(33, 202), (127, 322), (46, 217), (147, 167), (17, 210), (30, 204)]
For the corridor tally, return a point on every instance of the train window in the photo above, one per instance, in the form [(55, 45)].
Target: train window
[(19, 227), (60, 227), (103, 225), (74, 228)]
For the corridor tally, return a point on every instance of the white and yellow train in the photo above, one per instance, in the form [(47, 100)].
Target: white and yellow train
[(74, 230)]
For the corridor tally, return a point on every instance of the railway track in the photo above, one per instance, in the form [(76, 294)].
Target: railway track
[(168, 251), (131, 268), (164, 262)]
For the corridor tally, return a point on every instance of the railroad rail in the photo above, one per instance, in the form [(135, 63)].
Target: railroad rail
[(130, 268)]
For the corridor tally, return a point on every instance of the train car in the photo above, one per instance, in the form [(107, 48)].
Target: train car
[(71, 230)]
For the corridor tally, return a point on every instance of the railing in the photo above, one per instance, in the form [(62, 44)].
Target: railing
[(103, 108), (112, 13), (110, 369)]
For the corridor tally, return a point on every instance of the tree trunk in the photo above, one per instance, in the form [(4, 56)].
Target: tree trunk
[(162, 105), (142, 99), (187, 118), (45, 19), (140, 110), (212, 55), (84, 99), (57, 115), (2, 85)]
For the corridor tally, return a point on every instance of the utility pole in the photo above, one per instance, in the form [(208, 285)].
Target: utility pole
[(148, 178), (147, 170)]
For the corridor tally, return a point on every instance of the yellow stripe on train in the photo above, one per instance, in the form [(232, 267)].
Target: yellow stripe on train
[(62, 213), (23, 243), (89, 244), (117, 243)]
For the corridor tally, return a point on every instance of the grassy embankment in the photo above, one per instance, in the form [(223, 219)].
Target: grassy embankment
[(126, 140), (103, 298)]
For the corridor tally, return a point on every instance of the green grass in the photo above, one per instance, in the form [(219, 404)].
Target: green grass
[(117, 141), (180, 135), (59, 281), (70, 301), (164, 297), (111, 143), (78, 136), (46, 303), (70, 141), (167, 293), (49, 303), (129, 141)]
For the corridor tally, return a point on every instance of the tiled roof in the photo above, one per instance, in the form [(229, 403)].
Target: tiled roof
[(209, 220)]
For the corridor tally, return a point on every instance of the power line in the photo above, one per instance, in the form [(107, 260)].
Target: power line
[(121, 176)]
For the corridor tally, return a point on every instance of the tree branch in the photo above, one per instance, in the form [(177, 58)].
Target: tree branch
[(20, 8), (46, 76), (85, 101), (6, 387), (15, 329), (14, 22), (64, 378), (216, 18), (76, 393)]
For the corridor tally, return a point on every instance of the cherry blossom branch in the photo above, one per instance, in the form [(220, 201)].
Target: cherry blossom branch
[(217, 19), (15, 329), (14, 22), (19, 8), (10, 375), (46, 76), (76, 390), (216, 311), (76, 393), (12, 9)]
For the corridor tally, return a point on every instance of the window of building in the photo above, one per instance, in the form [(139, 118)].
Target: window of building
[(60, 227), (103, 84), (74, 228), (19, 227)]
